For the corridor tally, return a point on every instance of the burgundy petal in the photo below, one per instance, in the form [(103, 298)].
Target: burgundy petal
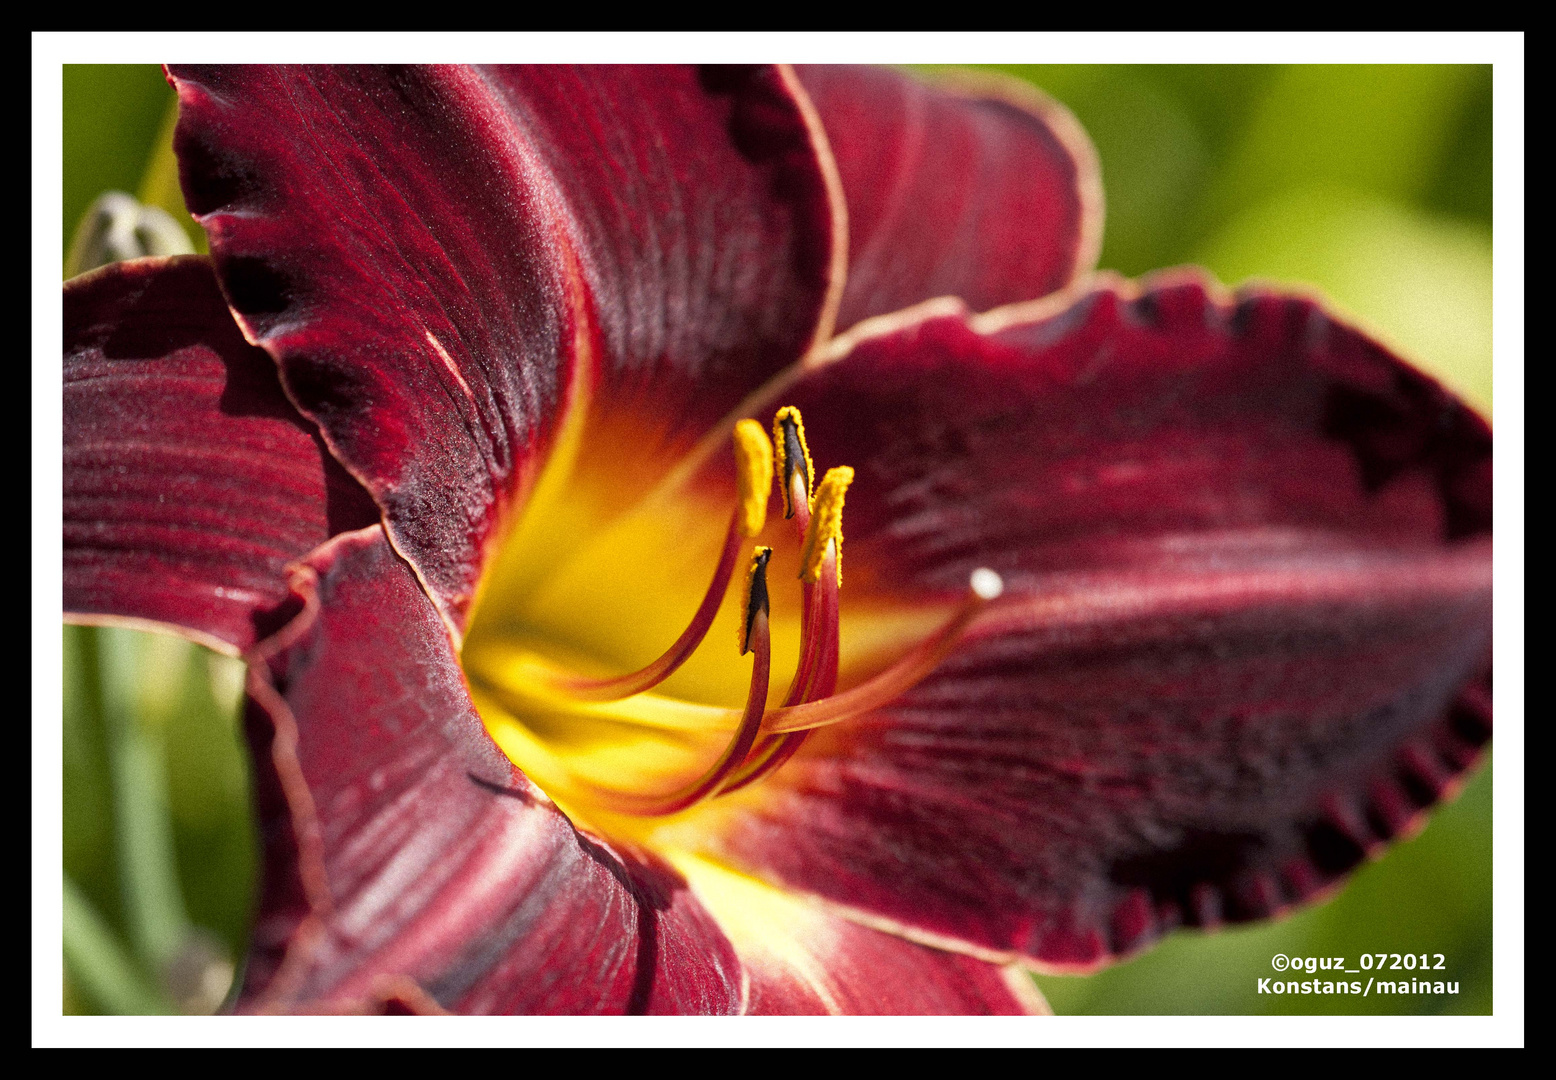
[(190, 480), (840, 967), (872, 973), (405, 855), (441, 260), (1245, 638), (981, 189)]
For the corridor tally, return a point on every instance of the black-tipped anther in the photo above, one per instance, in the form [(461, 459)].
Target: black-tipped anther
[(756, 596), (795, 460)]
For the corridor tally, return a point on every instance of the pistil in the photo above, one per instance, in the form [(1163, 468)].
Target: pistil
[(983, 586)]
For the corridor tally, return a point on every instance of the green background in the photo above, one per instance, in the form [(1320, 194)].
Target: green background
[(1371, 184)]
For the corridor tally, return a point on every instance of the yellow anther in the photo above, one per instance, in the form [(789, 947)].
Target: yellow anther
[(754, 598), (826, 523), (789, 434), (753, 475)]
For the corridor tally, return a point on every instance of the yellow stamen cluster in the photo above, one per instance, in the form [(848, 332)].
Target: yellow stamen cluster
[(826, 524), (763, 739), (753, 475)]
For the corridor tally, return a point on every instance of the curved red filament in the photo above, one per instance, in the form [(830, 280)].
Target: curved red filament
[(815, 679), (646, 678), (739, 746)]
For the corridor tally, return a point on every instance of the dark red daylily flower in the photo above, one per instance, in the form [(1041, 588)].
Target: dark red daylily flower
[(440, 439)]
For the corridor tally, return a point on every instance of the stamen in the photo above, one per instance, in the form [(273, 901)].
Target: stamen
[(816, 674), (985, 585), (824, 537), (793, 458), (786, 421), (758, 640), (753, 475), (753, 481), (755, 598)]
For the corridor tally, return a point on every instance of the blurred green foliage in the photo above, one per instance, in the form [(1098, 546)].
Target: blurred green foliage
[(158, 844), (118, 135), (112, 114), (1369, 184)]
